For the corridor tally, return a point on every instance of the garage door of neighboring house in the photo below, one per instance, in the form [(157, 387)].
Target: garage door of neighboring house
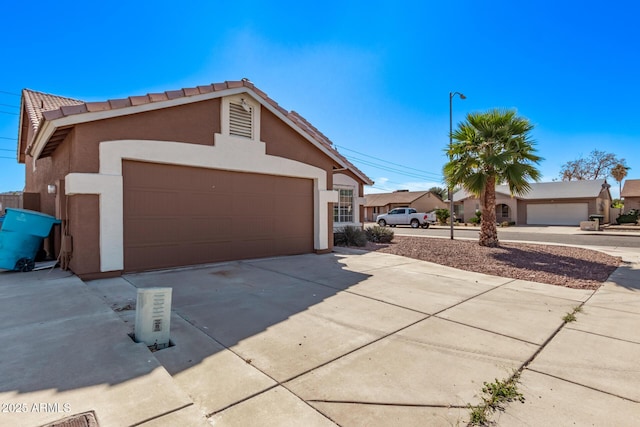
[(557, 213), (177, 215)]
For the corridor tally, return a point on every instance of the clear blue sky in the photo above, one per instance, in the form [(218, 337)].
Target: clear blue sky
[(373, 76)]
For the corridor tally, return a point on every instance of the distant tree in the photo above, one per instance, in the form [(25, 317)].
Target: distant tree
[(492, 148), (619, 172), (440, 192), (597, 166)]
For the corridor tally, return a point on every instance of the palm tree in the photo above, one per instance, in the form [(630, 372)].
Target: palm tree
[(619, 172), (492, 148)]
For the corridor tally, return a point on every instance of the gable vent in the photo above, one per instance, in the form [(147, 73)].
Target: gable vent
[(240, 119)]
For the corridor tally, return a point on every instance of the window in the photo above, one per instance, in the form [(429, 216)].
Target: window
[(343, 210), (504, 211)]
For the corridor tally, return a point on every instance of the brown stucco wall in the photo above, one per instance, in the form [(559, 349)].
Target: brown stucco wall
[(195, 123), (84, 227)]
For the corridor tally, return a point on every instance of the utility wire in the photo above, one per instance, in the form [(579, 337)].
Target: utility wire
[(383, 160), (394, 170), (9, 105), (6, 149), (9, 93), (4, 157), (12, 139), (6, 112)]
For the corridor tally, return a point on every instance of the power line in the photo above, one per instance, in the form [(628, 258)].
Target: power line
[(383, 160), (9, 105), (394, 170), (6, 112), (6, 149), (4, 157), (5, 137), (9, 93)]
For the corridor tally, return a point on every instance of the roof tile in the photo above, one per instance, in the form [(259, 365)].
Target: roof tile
[(173, 94), (98, 106), (205, 89), (234, 84), (219, 86), (139, 100), (69, 110), (191, 91), (157, 97), (120, 103)]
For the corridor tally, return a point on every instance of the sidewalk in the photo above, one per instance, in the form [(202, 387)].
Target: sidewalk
[(344, 339)]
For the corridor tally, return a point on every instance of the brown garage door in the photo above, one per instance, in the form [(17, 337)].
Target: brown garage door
[(176, 215)]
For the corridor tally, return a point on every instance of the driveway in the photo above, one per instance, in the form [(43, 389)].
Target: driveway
[(352, 338)]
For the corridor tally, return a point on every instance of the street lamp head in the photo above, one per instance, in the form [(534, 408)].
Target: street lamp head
[(462, 96)]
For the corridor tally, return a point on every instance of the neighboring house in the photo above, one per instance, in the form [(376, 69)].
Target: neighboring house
[(547, 203), (631, 194), (205, 174), (379, 203), (10, 200)]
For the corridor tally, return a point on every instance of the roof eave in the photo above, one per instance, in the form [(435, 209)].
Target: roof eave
[(42, 136)]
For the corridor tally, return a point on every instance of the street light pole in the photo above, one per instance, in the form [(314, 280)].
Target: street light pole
[(451, 95)]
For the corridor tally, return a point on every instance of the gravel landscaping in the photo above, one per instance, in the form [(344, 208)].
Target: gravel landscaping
[(557, 265)]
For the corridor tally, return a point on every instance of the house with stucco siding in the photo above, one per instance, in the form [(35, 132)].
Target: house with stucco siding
[(547, 203), (197, 175)]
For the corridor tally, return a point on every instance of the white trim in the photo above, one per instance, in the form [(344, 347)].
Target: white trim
[(48, 127), (255, 115), (228, 153)]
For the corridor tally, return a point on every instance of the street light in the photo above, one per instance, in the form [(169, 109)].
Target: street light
[(451, 96)]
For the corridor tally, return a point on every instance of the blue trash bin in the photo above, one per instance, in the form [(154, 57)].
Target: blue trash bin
[(21, 236)]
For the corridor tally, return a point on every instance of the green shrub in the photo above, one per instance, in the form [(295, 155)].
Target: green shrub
[(379, 234), (504, 224), (476, 219), (442, 215), (629, 217), (350, 235)]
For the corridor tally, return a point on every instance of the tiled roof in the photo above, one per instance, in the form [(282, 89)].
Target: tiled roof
[(549, 190), (631, 188), (384, 199), (37, 103), (42, 106)]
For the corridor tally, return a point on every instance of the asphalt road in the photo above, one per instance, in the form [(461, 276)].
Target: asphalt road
[(628, 240)]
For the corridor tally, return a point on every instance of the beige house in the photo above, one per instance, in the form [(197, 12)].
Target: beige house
[(631, 194), (548, 203), (198, 175), (422, 201)]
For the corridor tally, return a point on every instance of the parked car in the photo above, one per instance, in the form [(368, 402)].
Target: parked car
[(406, 216)]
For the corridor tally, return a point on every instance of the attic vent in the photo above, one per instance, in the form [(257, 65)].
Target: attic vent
[(240, 119)]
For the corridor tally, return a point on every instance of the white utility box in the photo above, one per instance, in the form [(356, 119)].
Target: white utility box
[(153, 317)]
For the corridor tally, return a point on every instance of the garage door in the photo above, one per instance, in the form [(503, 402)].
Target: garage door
[(557, 213), (176, 215)]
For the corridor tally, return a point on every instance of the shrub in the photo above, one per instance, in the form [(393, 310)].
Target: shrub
[(350, 235), (504, 224), (442, 215), (476, 219), (379, 234), (629, 217)]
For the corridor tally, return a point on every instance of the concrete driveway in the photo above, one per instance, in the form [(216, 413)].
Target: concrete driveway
[(348, 338)]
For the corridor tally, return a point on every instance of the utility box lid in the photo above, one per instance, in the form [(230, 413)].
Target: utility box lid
[(153, 317)]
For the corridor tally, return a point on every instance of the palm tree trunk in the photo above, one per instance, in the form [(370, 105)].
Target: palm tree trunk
[(488, 229)]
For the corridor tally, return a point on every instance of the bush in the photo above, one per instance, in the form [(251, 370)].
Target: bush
[(350, 236), (442, 215), (379, 234), (476, 219), (629, 217)]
